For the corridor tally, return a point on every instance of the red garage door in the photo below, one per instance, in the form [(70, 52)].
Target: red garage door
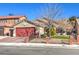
[(26, 31)]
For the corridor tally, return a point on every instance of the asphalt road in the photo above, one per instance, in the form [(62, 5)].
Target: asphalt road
[(23, 50)]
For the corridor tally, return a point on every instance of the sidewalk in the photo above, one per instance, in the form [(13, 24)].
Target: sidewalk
[(41, 45), (1, 37)]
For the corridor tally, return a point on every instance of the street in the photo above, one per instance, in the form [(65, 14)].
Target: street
[(24, 50)]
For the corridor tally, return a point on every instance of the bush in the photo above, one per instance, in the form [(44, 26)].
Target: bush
[(43, 36), (51, 30), (61, 36)]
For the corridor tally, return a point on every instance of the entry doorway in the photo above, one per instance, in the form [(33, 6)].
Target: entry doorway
[(11, 32)]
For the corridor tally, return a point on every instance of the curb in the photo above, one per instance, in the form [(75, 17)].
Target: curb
[(41, 45)]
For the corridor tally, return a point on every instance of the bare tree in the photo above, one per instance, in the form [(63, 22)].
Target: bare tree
[(51, 12)]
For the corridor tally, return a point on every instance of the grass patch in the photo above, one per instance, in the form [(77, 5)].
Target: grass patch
[(62, 37)]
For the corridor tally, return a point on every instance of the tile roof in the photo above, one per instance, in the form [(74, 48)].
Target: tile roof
[(29, 22), (40, 23), (45, 22), (10, 17)]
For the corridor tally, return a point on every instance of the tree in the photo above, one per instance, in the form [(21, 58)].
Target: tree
[(52, 11), (53, 30), (73, 22), (60, 30)]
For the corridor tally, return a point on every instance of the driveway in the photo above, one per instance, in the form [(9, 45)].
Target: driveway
[(12, 39)]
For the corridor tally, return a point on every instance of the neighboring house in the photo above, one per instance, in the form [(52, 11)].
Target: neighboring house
[(41, 28), (53, 22), (40, 23), (78, 24), (44, 22), (65, 25)]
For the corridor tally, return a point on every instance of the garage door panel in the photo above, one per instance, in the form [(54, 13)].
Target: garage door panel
[(22, 32)]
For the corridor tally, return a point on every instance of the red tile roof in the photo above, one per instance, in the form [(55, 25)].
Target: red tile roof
[(10, 17)]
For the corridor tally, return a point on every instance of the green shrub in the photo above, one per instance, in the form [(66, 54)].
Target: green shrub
[(61, 36)]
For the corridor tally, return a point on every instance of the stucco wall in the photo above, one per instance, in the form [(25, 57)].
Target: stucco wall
[(6, 30), (22, 18), (40, 30), (24, 24)]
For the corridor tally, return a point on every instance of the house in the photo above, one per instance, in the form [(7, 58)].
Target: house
[(67, 27), (78, 24), (26, 28), (44, 22), (18, 26), (7, 21)]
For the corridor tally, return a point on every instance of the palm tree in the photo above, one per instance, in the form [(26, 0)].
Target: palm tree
[(73, 22)]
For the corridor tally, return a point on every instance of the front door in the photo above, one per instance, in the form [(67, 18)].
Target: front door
[(11, 32)]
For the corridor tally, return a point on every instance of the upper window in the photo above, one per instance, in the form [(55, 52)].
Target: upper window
[(3, 21), (17, 20)]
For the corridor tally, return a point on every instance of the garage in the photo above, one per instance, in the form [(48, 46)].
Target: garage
[(25, 31)]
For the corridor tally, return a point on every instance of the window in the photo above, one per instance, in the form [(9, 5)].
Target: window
[(3, 21), (17, 20)]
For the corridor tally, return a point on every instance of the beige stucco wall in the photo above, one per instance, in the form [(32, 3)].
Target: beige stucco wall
[(24, 24), (10, 22), (40, 30), (6, 30), (23, 18)]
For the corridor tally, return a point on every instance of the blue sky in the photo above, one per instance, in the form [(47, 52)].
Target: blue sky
[(33, 11)]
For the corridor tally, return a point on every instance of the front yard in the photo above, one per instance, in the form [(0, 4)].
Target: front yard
[(62, 37), (55, 39)]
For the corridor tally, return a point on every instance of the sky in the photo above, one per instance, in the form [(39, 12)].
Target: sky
[(35, 10)]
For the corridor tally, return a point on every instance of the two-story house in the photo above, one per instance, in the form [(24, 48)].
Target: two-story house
[(17, 26), (6, 22)]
